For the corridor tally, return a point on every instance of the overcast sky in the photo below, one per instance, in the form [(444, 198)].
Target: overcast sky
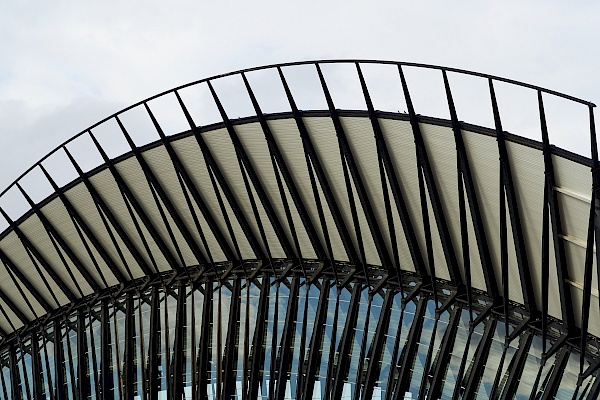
[(65, 65)]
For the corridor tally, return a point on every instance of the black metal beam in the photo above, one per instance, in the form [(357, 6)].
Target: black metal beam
[(204, 349), (157, 189), (59, 241), (35, 254), (557, 373), (131, 200), (595, 389), (247, 167), (392, 178), (32, 290), (409, 351), (255, 363), (23, 367), (189, 184), (80, 225), (36, 367), (106, 375), (348, 159), (129, 351), (69, 358), (481, 355), (508, 189), (83, 373), (335, 383), (289, 331), (178, 359), (92, 337), (230, 350), (434, 196), (315, 345), (4, 384), (13, 307), (313, 163), (214, 169), (475, 211), (440, 369), (59, 357), (108, 217), (152, 378), (379, 338), (515, 369), (15, 384), (287, 176), (593, 238), (562, 270)]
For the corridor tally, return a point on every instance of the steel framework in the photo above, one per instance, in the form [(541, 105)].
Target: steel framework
[(293, 256)]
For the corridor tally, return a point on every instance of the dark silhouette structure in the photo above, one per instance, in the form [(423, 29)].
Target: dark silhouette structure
[(312, 253)]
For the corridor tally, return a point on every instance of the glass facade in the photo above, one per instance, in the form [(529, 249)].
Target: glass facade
[(290, 338)]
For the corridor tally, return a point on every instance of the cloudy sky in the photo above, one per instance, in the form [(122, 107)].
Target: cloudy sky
[(65, 65)]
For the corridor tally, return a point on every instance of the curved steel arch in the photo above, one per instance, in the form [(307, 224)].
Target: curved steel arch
[(228, 204)]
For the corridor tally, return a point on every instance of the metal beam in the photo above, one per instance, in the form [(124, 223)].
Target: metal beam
[(289, 331), (316, 342), (59, 359), (15, 384), (157, 189), (23, 367), (178, 371), (434, 196), (230, 350), (92, 337), (335, 384), (387, 169), (247, 167), (409, 351), (254, 364), (13, 307), (10, 266), (440, 369), (108, 217), (557, 373), (83, 373), (513, 208), (80, 225), (152, 378), (36, 367), (348, 159), (131, 200), (129, 351), (189, 184), (515, 369), (595, 389), (204, 350), (476, 215), (35, 254), (215, 170), (593, 238), (481, 355), (59, 241), (287, 176), (562, 269), (313, 162), (379, 338)]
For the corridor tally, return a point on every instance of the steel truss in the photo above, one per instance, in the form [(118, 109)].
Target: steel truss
[(177, 329)]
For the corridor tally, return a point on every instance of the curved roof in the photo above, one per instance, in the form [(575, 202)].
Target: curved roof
[(438, 198)]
